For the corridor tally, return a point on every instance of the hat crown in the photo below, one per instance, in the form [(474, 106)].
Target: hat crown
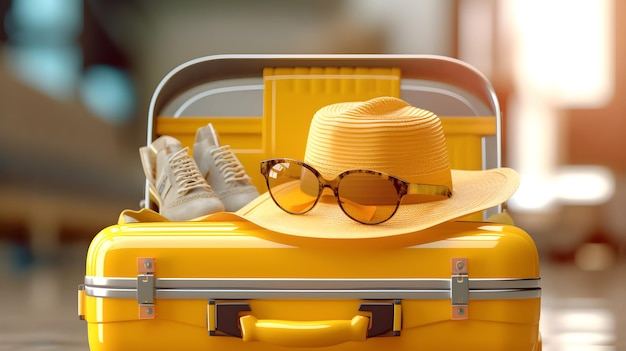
[(383, 134)]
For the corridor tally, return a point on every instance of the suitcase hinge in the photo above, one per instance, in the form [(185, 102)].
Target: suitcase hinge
[(459, 289), (145, 287)]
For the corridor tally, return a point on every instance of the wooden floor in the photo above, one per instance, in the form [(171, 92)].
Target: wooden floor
[(38, 308), (581, 310)]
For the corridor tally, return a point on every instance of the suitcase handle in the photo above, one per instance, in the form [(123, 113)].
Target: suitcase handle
[(304, 333)]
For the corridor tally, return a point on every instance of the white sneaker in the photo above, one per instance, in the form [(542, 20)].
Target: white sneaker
[(175, 182), (222, 170)]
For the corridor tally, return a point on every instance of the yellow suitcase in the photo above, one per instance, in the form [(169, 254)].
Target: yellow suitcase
[(228, 284)]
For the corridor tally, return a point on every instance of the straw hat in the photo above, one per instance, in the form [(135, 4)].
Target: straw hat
[(387, 135)]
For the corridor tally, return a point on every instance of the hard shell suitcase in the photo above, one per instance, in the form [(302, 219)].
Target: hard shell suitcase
[(229, 284)]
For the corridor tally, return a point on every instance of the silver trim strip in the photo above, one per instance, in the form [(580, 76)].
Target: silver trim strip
[(315, 283), (129, 283), (249, 288), (208, 294)]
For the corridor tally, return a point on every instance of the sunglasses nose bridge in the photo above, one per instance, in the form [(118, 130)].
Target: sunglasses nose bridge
[(331, 184), (330, 187), (325, 183)]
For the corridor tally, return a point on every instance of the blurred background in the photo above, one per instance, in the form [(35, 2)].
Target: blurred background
[(76, 78)]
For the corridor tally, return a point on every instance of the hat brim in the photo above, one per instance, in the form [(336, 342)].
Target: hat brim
[(473, 191)]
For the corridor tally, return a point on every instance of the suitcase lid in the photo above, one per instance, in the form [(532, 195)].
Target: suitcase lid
[(261, 105)]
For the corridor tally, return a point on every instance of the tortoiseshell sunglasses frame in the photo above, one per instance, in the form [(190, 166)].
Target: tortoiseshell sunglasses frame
[(402, 187)]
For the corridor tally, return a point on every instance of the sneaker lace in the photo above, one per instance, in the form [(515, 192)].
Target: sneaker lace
[(187, 175), (229, 165)]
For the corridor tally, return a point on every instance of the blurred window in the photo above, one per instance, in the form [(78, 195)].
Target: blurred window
[(45, 50)]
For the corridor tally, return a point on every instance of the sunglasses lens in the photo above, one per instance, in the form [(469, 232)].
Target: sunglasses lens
[(369, 198), (293, 187)]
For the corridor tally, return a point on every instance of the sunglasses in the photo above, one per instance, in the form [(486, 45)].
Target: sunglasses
[(366, 196)]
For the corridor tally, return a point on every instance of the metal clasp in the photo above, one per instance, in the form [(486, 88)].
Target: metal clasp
[(146, 287), (459, 289)]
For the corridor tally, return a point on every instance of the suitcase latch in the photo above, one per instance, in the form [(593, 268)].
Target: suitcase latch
[(459, 289), (145, 287)]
